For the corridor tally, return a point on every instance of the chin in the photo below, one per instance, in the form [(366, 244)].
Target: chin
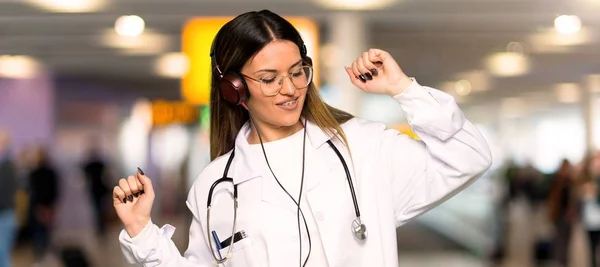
[(289, 120)]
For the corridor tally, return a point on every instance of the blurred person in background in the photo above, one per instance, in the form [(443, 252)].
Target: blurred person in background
[(283, 118), (590, 203), (96, 173), (562, 210), (8, 189), (43, 193)]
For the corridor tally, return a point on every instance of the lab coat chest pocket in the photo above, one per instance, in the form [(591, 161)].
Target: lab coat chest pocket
[(248, 251)]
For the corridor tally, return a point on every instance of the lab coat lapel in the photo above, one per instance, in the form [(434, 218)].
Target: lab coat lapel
[(244, 166), (318, 165)]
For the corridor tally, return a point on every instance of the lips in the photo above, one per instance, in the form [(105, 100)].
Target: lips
[(288, 102)]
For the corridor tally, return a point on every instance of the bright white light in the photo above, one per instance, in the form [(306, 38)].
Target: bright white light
[(147, 43), (463, 87), (141, 113), (69, 6), (170, 146), (567, 24), (172, 65), (556, 139), (133, 144), (567, 92), (131, 26), (355, 4), (507, 64), (18, 67)]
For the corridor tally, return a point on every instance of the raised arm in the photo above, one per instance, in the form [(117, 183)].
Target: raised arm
[(452, 152), (146, 243)]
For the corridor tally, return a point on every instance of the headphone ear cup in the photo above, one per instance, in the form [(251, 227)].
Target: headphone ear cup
[(233, 88)]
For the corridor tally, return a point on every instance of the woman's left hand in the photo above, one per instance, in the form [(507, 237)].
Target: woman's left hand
[(376, 71)]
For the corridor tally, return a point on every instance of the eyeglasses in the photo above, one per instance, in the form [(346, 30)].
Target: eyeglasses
[(270, 85)]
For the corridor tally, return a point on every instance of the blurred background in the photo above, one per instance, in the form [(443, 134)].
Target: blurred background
[(92, 89)]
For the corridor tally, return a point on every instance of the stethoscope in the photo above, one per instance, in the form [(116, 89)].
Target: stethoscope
[(359, 229)]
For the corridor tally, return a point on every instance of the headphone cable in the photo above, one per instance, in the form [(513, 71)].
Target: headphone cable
[(291, 197)]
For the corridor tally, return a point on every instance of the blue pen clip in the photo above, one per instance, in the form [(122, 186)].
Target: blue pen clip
[(218, 243)]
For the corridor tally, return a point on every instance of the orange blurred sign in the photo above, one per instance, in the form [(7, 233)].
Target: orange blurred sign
[(178, 112), (197, 38)]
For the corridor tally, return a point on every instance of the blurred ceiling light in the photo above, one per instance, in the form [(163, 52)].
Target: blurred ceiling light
[(172, 65), (567, 24), (147, 43), (463, 87), (355, 4), (551, 41), (69, 6), (567, 92), (506, 64), (479, 79), (130, 26), (18, 67)]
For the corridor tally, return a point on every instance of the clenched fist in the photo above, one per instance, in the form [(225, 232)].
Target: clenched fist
[(376, 71), (133, 198)]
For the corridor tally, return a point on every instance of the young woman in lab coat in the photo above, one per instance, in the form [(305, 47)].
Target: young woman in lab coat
[(296, 206)]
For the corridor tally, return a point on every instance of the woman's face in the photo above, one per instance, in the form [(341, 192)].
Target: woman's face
[(278, 59)]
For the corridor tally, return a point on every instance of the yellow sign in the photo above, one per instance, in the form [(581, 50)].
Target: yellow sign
[(164, 112), (197, 38), (405, 129)]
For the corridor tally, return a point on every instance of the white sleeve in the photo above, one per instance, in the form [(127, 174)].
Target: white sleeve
[(153, 246), (451, 155)]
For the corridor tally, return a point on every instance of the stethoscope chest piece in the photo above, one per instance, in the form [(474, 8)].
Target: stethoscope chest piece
[(359, 229)]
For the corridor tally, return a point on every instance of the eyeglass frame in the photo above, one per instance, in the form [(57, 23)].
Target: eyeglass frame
[(282, 78)]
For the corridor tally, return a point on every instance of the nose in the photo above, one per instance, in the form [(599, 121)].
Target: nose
[(287, 87)]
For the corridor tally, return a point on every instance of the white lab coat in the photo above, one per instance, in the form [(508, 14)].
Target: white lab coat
[(395, 177)]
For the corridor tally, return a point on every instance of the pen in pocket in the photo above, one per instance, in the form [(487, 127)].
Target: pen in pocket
[(217, 243)]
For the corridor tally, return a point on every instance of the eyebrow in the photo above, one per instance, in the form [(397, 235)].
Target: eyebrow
[(273, 70)]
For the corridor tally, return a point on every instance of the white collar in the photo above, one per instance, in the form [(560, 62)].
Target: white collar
[(246, 163)]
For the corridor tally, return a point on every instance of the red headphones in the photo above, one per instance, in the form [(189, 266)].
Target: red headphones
[(231, 84)]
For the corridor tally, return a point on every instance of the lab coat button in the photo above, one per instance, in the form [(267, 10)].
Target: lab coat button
[(319, 216)]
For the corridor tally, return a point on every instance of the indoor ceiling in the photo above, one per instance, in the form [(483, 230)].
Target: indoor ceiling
[(433, 40)]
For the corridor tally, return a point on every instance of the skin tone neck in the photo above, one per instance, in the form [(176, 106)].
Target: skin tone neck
[(270, 133)]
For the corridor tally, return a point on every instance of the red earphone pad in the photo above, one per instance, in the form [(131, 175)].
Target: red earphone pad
[(233, 88)]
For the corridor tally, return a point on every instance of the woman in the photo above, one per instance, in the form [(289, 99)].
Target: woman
[(562, 206), (310, 178)]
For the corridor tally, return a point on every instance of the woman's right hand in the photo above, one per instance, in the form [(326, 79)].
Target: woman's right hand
[(133, 198)]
